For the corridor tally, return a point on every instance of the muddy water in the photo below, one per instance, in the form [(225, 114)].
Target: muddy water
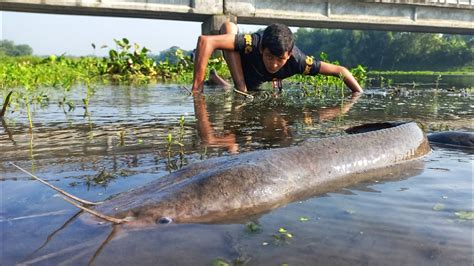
[(411, 215)]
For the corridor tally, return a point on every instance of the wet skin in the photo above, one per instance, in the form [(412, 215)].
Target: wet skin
[(453, 138), (229, 188), (272, 62)]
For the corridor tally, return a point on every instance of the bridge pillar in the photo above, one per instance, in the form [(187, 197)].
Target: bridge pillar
[(213, 24)]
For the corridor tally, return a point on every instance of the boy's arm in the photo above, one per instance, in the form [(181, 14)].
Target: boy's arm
[(334, 70), (205, 47)]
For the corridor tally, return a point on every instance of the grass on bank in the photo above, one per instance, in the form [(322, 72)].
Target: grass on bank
[(422, 73), (467, 70)]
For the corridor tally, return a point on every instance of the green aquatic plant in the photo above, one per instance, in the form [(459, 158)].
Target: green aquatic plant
[(124, 63), (437, 81), (102, 178), (253, 227), (181, 71), (422, 73), (240, 260), (282, 237), (360, 73), (32, 79), (317, 86), (438, 207), (220, 262), (90, 90), (6, 102), (170, 142), (304, 219), (465, 215), (122, 137), (28, 110)]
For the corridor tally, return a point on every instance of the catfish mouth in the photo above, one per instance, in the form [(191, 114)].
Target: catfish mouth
[(372, 127)]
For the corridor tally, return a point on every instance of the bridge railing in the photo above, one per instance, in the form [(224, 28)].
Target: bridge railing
[(453, 2), (441, 16), (444, 3)]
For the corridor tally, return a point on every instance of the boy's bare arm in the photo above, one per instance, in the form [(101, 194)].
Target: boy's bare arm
[(205, 47), (334, 70)]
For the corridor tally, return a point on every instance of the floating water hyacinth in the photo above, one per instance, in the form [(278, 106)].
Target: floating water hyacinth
[(304, 219)]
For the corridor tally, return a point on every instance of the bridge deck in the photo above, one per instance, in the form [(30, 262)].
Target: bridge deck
[(443, 16)]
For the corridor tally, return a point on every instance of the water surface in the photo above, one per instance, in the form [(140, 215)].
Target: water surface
[(407, 216)]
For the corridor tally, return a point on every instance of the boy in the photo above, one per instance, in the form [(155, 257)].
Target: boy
[(260, 57)]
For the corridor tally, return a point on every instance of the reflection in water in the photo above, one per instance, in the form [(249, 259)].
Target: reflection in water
[(269, 121), (112, 234), (206, 132), (372, 223), (5, 128), (50, 236)]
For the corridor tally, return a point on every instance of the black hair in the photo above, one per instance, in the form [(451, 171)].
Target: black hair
[(278, 38)]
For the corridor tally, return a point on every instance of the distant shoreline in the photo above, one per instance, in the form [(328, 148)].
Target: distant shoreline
[(422, 73)]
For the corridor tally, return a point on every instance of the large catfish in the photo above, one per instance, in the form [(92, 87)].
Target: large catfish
[(238, 186)]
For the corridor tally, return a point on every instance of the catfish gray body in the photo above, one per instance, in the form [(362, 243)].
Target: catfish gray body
[(454, 138), (234, 187)]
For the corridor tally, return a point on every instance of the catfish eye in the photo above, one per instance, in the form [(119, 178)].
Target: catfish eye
[(164, 220)]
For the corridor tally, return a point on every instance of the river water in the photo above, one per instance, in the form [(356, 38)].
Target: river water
[(413, 215)]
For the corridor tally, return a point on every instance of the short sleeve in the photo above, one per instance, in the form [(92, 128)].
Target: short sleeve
[(246, 43), (305, 64), (310, 66)]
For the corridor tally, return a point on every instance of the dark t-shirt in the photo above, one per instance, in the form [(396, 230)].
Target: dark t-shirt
[(255, 72)]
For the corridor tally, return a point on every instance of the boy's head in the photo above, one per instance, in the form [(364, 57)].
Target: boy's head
[(277, 44), (278, 39)]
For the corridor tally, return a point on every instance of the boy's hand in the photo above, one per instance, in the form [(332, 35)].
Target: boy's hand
[(197, 89)]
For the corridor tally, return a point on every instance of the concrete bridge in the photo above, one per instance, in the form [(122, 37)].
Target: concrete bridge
[(442, 16)]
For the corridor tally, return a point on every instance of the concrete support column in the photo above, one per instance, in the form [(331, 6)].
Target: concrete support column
[(213, 24)]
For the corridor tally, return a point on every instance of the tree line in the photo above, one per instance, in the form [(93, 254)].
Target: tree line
[(376, 50), (382, 50), (9, 48)]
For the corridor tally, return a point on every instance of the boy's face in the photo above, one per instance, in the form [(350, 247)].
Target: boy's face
[(272, 62)]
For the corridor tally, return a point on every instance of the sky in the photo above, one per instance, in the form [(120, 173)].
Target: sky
[(73, 35)]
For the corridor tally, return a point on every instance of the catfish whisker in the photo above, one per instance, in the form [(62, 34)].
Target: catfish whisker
[(98, 214), (56, 188)]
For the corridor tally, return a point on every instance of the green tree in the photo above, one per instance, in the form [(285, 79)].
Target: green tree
[(10, 49), (170, 55), (381, 50)]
